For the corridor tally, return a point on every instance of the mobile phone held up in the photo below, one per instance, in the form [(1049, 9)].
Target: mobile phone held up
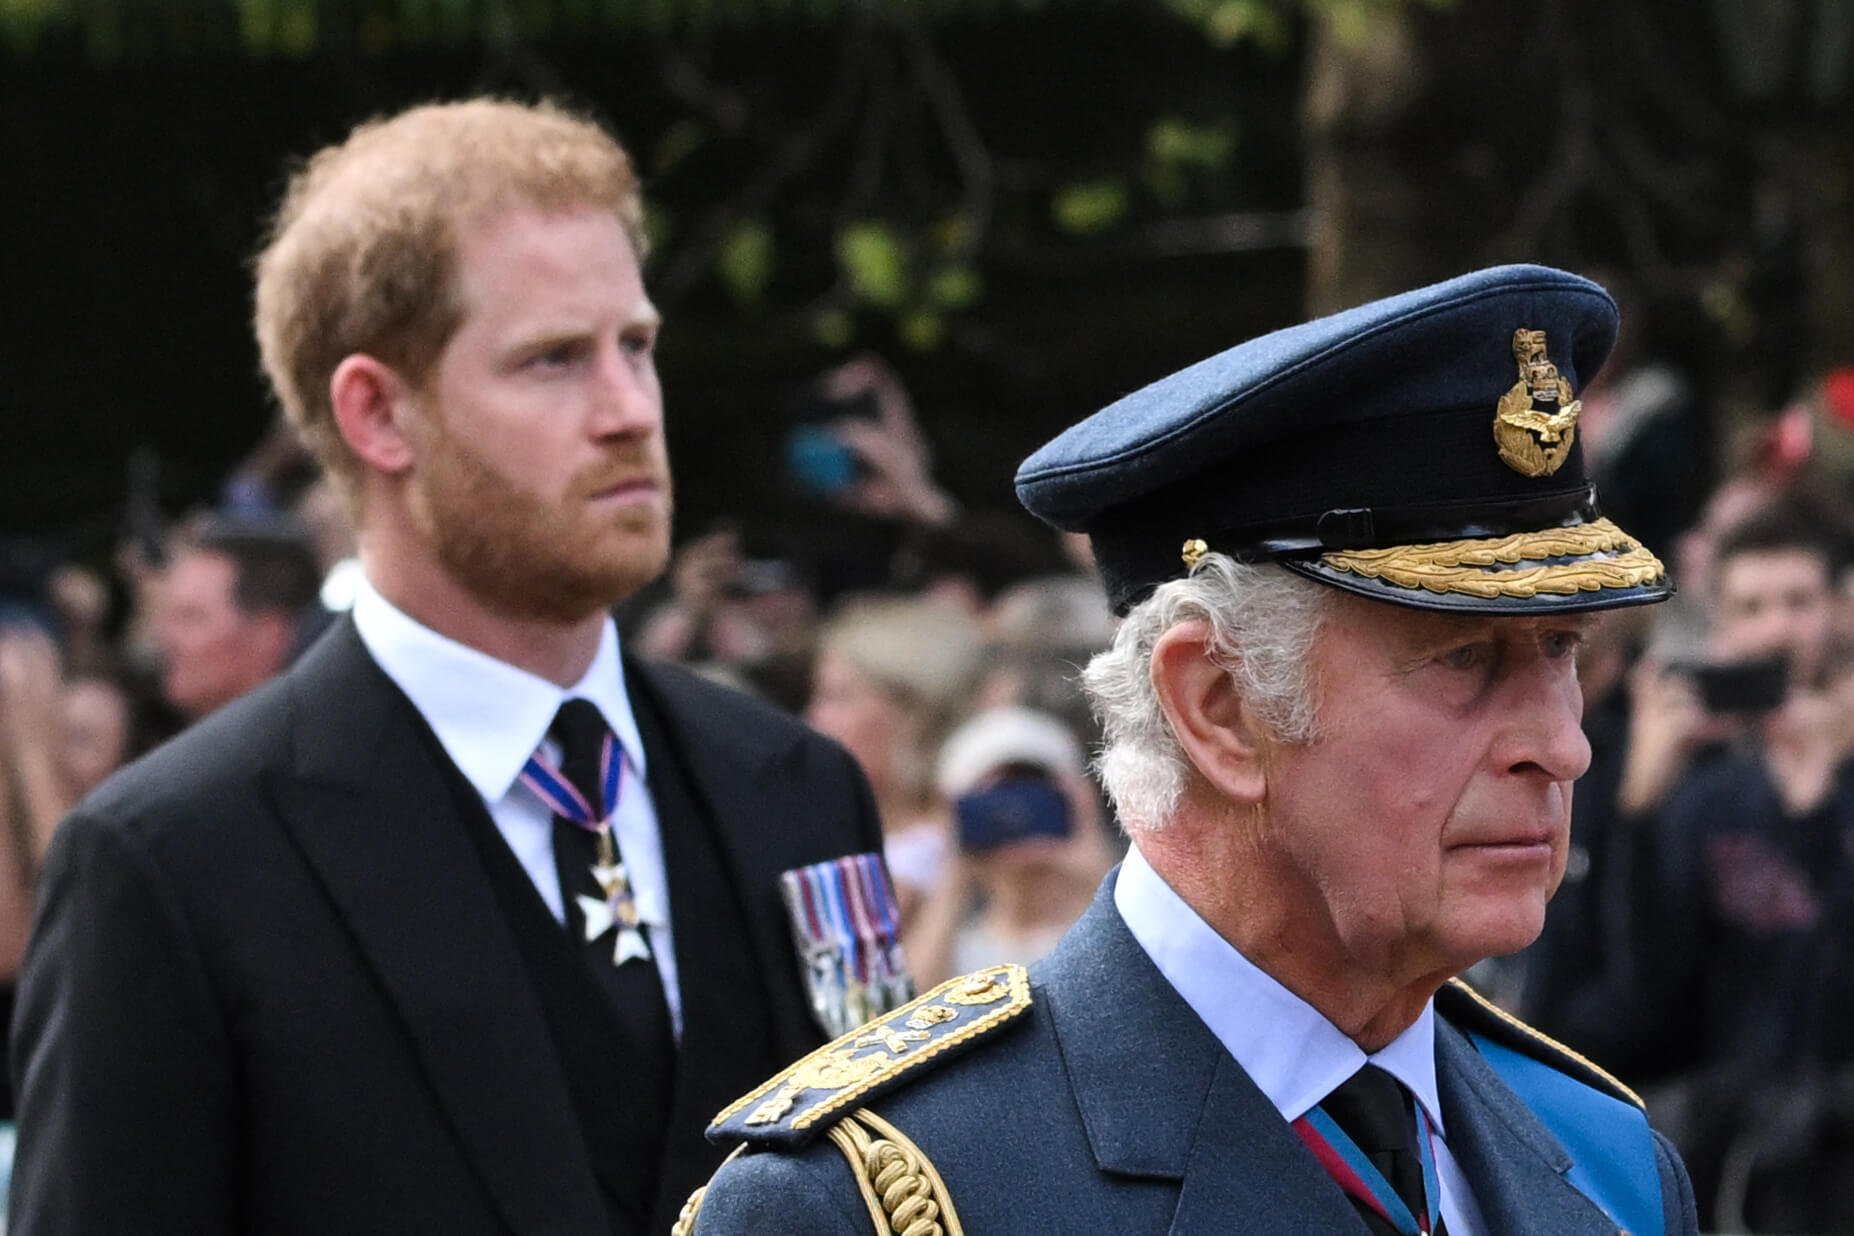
[(1741, 686), (1013, 810), (817, 460)]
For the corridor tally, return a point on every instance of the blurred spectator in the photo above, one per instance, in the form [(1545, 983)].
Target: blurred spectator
[(33, 795), (1774, 577), (1825, 411), (1032, 850), (1746, 916), (270, 479), (860, 471), (891, 679), (233, 608), (30, 777), (1646, 423), (890, 467), (94, 734), (324, 518), (1040, 634), (751, 618), (80, 599)]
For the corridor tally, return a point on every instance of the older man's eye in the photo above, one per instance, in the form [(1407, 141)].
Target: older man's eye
[(1465, 657), (1562, 643)]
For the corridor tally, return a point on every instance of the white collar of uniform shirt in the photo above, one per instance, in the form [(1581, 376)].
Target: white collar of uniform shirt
[(1293, 1054)]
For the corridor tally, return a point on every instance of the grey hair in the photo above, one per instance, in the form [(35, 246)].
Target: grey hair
[(1262, 619)]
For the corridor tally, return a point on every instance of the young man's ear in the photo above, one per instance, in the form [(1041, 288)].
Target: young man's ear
[(372, 404), (1214, 727)]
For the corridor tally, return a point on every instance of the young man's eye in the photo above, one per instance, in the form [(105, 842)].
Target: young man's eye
[(554, 357)]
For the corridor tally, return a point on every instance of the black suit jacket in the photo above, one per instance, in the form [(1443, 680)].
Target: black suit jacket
[(270, 989)]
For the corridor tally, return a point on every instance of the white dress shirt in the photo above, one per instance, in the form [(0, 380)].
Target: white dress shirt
[(1292, 1053), (490, 717)]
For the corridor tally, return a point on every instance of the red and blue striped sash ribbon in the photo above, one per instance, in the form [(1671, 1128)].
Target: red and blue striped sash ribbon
[(564, 798), (1359, 1177)]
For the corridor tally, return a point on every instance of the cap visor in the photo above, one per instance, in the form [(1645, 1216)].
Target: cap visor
[(1552, 571)]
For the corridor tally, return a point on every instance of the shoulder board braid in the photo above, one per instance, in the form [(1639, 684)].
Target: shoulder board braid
[(1543, 1046), (795, 1106), (905, 1195)]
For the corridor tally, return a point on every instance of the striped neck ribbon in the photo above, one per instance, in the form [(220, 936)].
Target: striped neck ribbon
[(564, 798), (1355, 1173)]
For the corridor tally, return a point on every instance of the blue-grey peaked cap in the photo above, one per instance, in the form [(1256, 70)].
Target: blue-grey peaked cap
[(1419, 449)]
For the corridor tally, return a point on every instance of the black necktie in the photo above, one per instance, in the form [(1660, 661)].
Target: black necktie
[(634, 988), (1379, 1115)]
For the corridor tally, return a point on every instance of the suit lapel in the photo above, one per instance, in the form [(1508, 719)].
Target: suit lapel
[(1161, 1098), (373, 817), (1512, 1162), (750, 785)]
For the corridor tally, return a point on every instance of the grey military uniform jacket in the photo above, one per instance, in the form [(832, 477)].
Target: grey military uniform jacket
[(1104, 1104)]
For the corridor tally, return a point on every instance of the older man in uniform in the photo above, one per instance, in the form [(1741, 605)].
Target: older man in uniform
[(1355, 560)]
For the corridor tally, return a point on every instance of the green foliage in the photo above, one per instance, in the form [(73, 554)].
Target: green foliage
[(659, 226), (680, 140), (923, 330), (295, 28), (21, 19), (955, 288), (833, 328), (745, 262), (1355, 23), (1177, 150), (1090, 207), (934, 210), (278, 27), (1229, 22), (875, 263)]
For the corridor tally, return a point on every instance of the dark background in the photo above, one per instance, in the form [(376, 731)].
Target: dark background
[(1330, 151)]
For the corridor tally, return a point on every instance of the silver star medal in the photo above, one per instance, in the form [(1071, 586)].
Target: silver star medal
[(618, 909)]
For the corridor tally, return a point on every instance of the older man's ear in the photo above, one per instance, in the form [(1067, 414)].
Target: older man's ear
[(1216, 729)]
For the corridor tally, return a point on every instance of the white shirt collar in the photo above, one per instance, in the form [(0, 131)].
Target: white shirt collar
[(1293, 1054), (489, 715)]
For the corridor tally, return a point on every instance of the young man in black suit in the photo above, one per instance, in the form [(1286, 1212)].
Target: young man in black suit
[(468, 923)]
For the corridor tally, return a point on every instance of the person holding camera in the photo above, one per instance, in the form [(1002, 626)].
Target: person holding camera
[(1031, 849), (1751, 903)]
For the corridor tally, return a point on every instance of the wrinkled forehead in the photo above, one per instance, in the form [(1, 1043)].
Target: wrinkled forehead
[(1405, 627)]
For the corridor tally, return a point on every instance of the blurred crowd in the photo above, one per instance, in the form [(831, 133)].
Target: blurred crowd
[(1701, 947)]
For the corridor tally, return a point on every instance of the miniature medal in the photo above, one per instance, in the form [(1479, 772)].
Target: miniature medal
[(618, 909)]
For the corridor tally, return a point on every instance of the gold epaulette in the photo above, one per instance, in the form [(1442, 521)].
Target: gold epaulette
[(795, 1106), (1483, 1015), (903, 1192)]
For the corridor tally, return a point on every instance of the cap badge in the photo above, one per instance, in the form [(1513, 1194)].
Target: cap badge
[(1536, 422)]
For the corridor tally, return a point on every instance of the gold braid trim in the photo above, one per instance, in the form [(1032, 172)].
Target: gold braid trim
[(1539, 1036), (1001, 992), (1471, 568), (685, 1221), (903, 1192)]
